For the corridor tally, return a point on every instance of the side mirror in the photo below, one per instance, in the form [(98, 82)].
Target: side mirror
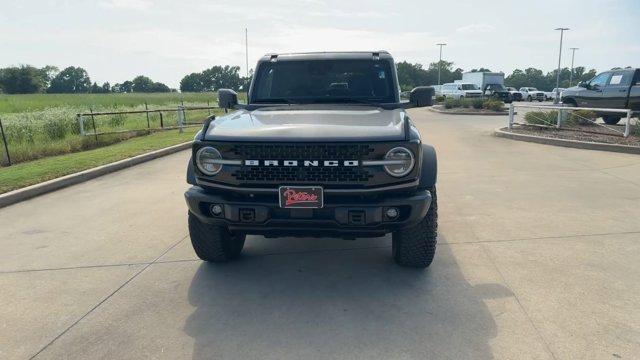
[(227, 98), (583, 84), (421, 96)]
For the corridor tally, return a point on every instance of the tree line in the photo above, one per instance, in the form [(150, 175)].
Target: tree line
[(26, 79)]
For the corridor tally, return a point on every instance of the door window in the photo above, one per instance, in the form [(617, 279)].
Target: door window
[(600, 80)]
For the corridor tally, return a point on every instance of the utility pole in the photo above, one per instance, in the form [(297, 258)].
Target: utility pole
[(440, 61), (557, 97), (573, 54), (246, 49)]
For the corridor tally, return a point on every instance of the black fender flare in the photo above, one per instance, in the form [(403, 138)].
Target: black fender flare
[(191, 174), (429, 170)]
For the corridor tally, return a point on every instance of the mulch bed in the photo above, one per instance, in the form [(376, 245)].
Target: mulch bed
[(580, 133)]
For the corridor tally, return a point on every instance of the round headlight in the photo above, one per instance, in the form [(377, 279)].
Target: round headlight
[(206, 160), (400, 162)]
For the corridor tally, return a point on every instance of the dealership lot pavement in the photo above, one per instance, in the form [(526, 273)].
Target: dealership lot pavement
[(537, 259)]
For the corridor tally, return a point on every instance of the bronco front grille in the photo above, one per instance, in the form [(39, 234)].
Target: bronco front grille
[(300, 174)]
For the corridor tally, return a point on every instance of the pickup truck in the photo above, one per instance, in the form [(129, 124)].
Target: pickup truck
[(614, 89), (323, 147), (515, 94), (499, 92), (551, 95), (531, 93)]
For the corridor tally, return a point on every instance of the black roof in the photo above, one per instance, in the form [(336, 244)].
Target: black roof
[(328, 55)]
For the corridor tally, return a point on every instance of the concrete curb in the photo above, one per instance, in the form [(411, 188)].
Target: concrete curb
[(568, 143), (496, 113), (28, 192)]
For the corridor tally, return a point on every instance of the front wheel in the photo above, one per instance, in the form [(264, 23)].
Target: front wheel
[(214, 243), (610, 119), (416, 246), (529, 98)]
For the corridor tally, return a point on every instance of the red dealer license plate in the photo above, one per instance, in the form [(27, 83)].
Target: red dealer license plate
[(301, 197)]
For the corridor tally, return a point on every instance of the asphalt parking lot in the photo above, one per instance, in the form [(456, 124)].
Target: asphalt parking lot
[(538, 258)]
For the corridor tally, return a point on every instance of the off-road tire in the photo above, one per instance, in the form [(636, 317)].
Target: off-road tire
[(416, 246), (610, 119), (529, 98), (214, 243)]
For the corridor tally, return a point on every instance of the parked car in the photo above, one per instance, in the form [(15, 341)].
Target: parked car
[(460, 91), (498, 91), (531, 93), (334, 156), (614, 89), (551, 95), (515, 94)]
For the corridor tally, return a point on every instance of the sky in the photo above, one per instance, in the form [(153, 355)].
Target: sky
[(116, 40)]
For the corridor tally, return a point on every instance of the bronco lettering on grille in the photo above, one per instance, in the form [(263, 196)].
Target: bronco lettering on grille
[(312, 163)]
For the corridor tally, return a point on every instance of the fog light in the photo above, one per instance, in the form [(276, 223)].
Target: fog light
[(392, 213), (216, 209)]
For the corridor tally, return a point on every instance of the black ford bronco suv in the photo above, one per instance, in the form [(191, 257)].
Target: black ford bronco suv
[(323, 147)]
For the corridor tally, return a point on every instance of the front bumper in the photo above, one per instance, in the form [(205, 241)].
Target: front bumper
[(341, 216)]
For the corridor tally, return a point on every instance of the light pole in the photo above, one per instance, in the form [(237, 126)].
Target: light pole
[(557, 97), (440, 61), (573, 54), (246, 50)]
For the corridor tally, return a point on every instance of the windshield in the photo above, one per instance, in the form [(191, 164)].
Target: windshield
[(469, 87), (497, 87), (312, 81)]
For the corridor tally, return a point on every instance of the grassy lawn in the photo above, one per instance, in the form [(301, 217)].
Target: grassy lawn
[(33, 172), (44, 125)]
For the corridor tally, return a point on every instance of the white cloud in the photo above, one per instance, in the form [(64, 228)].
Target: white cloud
[(475, 28), (126, 4)]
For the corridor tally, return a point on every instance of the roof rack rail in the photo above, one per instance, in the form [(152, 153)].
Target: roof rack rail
[(273, 57)]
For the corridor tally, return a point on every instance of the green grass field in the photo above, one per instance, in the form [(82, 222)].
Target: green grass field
[(33, 172), (43, 125), (34, 102)]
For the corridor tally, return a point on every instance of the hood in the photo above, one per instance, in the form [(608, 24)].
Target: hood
[(571, 90), (304, 123)]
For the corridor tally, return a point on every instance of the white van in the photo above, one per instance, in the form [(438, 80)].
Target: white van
[(460, 91)]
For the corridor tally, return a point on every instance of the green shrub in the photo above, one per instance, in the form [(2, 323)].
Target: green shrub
[(451, 103), (494, 105), (548, 118), (440, 98), (581, 117), (478, 103)]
